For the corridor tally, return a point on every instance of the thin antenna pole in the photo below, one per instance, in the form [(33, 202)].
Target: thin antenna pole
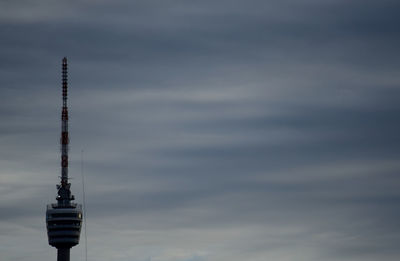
[(84, 205)]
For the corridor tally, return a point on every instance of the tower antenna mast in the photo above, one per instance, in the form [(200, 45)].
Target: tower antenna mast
[(64, 218), (64, 192)]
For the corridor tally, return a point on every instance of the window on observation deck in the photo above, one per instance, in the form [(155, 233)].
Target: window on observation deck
[(63, 215)]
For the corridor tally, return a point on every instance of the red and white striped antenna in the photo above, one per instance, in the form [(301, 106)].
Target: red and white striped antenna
[(64, 193)]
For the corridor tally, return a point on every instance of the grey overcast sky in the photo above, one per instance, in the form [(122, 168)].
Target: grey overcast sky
[(213, 130)]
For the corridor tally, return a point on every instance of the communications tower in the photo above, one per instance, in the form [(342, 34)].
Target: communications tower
[(64, 218)]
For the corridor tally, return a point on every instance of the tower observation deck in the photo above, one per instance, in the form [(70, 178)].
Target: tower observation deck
[(64, 218)]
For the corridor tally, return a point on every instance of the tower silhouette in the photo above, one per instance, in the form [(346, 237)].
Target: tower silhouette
[(64, 218)]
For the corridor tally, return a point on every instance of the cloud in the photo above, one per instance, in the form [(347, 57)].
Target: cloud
[(211, 130)]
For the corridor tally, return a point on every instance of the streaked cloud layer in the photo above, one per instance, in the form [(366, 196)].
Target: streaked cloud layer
[(212, 130)]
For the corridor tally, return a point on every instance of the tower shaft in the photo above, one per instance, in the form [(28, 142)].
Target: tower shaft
[(63, 254)]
